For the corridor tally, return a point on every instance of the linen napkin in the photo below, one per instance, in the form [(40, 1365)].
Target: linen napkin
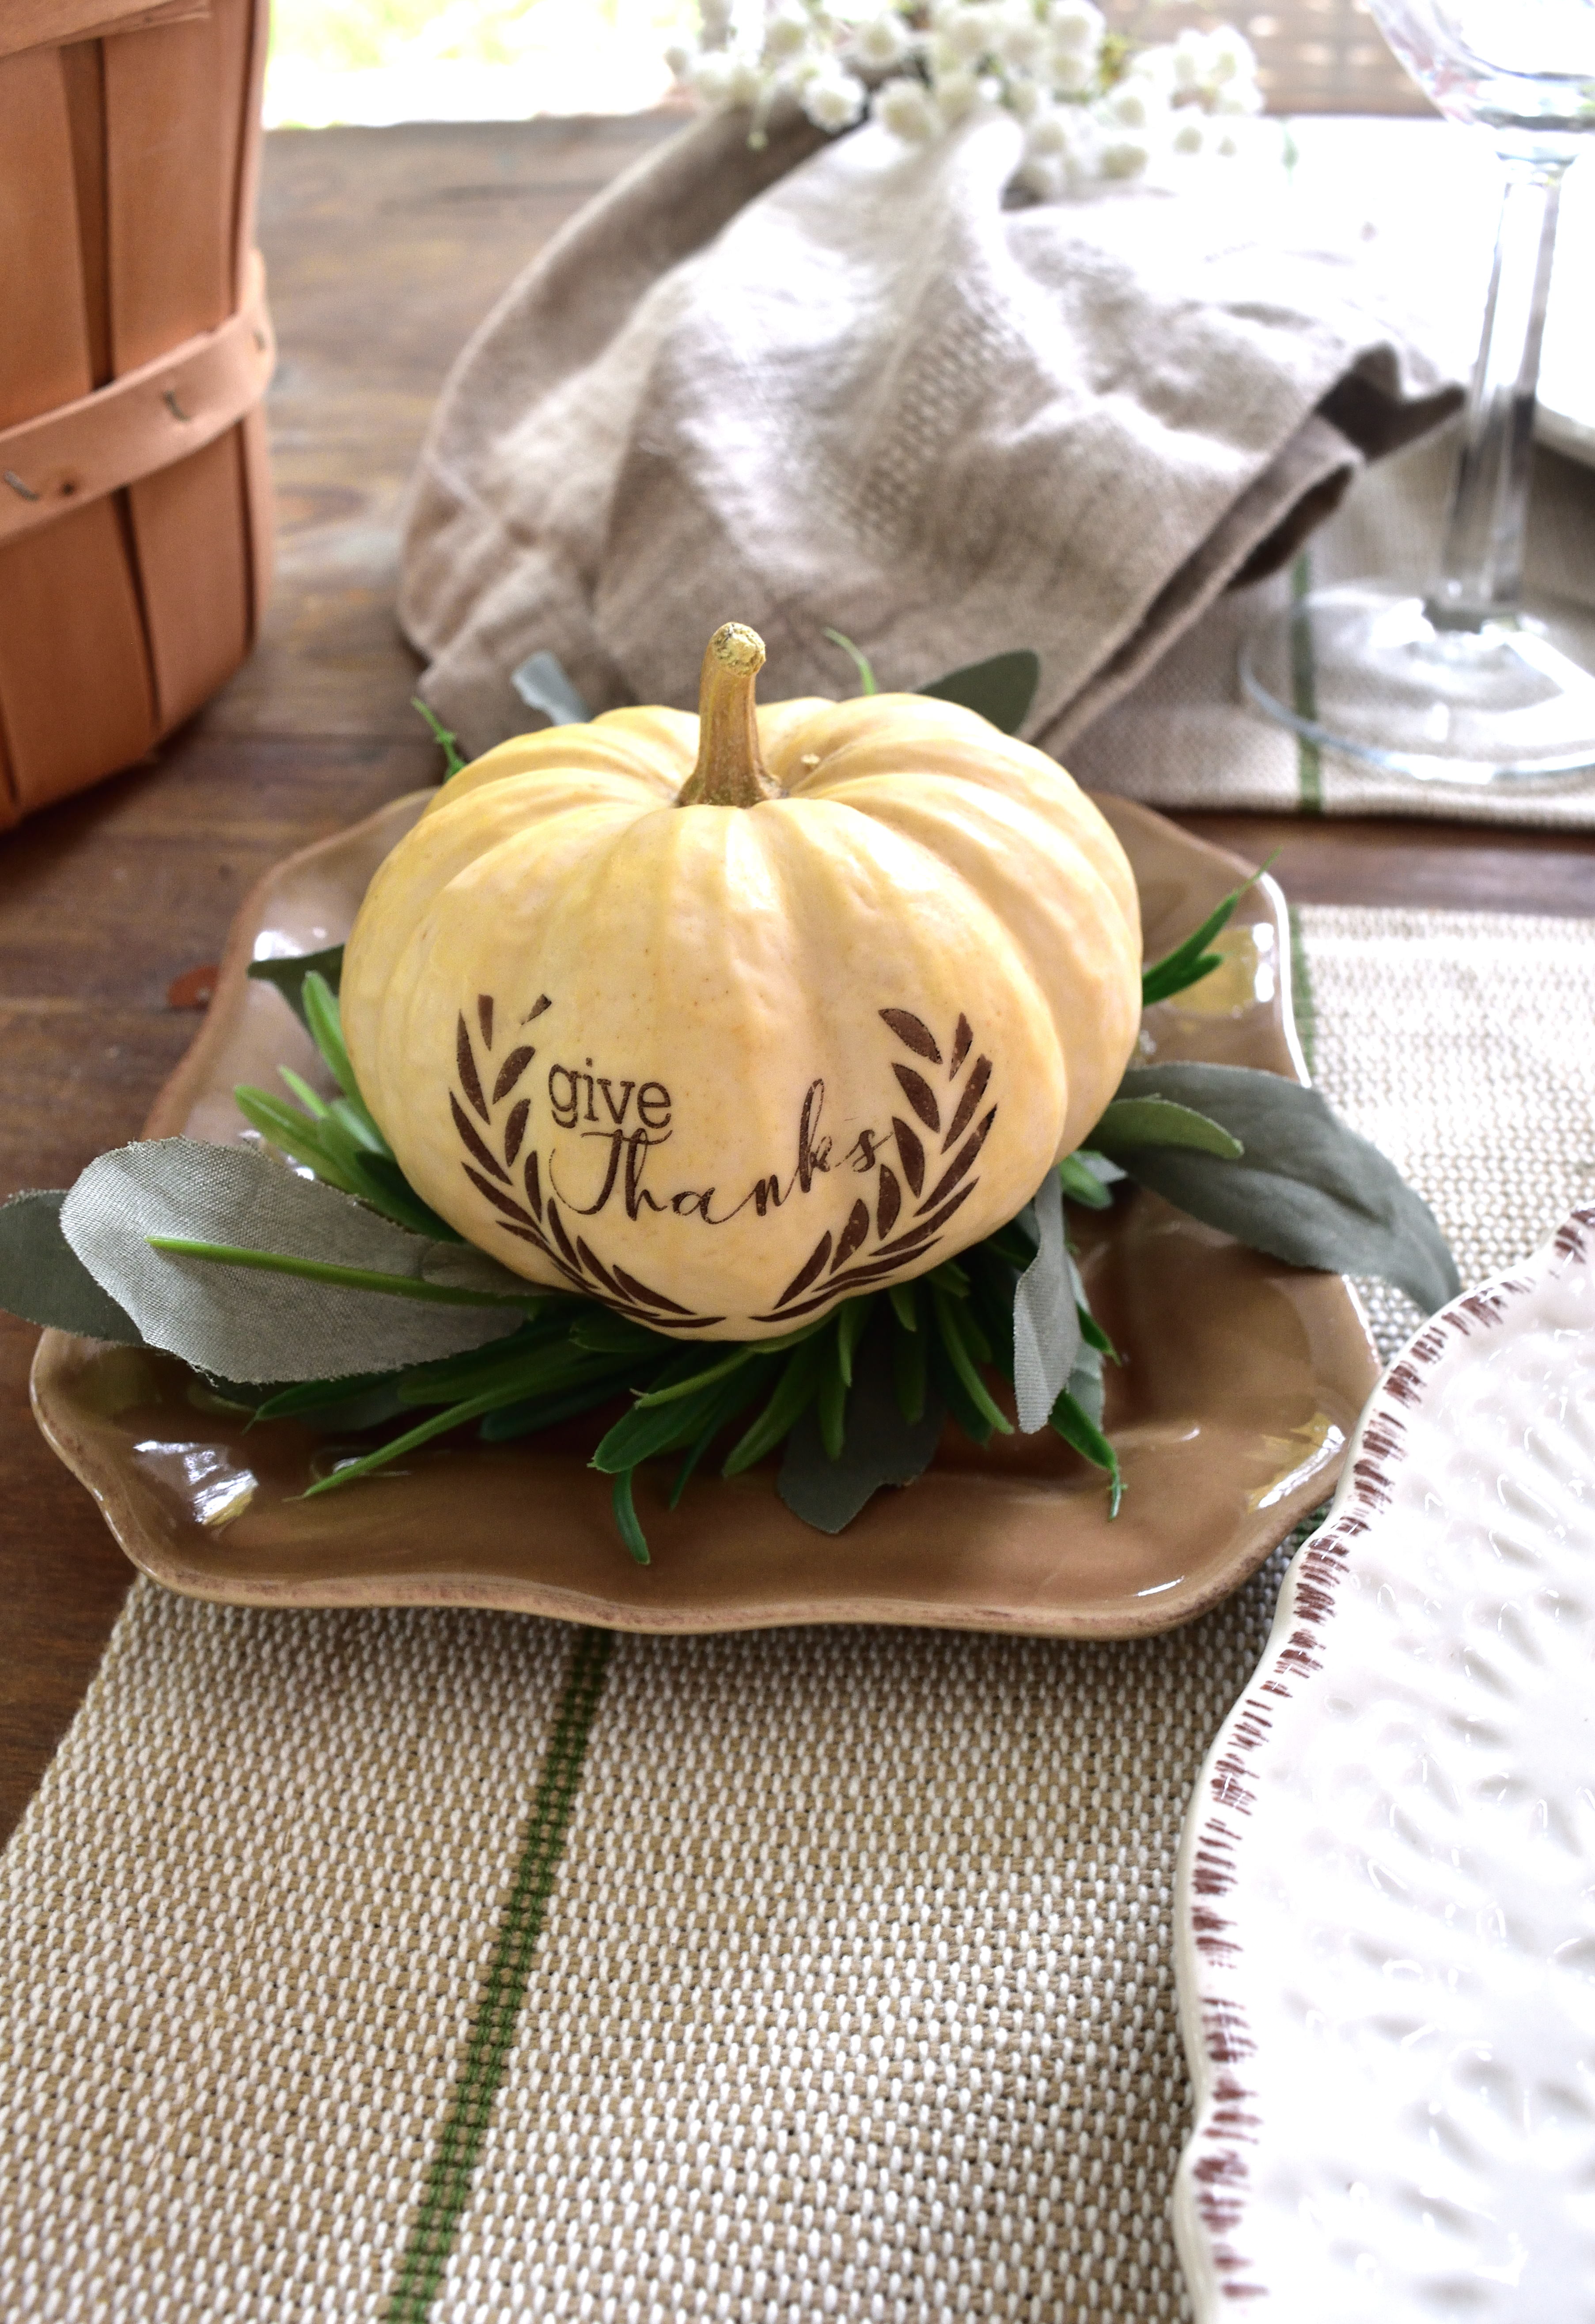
[(855, 385), (1186, 737)]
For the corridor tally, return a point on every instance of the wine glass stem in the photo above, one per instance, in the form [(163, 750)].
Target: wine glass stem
[(1480, 574)]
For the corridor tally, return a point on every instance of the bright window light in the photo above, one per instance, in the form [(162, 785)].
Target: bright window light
[(383, 61)]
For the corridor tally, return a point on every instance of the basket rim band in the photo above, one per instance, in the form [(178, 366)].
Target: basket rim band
[(143, 422), (27, 24)]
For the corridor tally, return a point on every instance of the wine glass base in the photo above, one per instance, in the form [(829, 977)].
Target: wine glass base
[(1360, 670)]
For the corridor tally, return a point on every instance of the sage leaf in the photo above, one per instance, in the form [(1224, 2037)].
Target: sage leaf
[(243, 1324), (1001, 689), (1306, 1188), (1131, 1122), (43, 1280), (879, 1446), (543, 682), (1045, 1324), (289, 976)]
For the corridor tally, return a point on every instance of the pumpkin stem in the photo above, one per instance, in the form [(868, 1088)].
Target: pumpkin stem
[(729, 770)]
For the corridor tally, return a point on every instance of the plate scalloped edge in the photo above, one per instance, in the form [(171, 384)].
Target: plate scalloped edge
[(1385, 1913)]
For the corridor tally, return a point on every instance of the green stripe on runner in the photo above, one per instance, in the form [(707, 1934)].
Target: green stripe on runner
[(1303, 1006), (465, 2126), (1303, 692)]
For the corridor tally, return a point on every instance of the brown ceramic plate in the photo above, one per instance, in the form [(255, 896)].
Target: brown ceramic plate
[(1242, 1382)]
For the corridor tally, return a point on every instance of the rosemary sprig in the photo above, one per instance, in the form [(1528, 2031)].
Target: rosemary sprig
[(951, 1332), (337, 1137), (1191, 961)]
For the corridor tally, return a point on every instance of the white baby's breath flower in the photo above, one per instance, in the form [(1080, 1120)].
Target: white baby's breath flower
[(1229, 56), (1124, 156), (905, 106), (1187, 59), (964, 34), (1076, 28), (833, 99), (1155, 67), (1131, 105), (711, 77), (1225, 146), (788, 34), (957, 94), (1040, 58), (1019, 38), (881, 41), (1071, 74), (1216, 69), (1063, 140), (1042, 176), (745, 81), (1048, 138)]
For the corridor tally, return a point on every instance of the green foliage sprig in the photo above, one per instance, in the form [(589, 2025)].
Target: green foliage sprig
[(938, 1340), (858, 1398)]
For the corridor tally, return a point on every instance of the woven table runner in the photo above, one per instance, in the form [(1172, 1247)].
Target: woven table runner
[(1185, 737), (438, 1964)]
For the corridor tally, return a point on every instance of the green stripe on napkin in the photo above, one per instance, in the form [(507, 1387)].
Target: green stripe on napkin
[(1303, 685)]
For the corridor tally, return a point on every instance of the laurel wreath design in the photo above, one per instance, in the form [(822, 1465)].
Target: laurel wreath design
[(836, 1262), (536, 1219), (871, 1245)]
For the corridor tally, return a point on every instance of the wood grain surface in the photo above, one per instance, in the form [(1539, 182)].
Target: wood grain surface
[(385, 247)]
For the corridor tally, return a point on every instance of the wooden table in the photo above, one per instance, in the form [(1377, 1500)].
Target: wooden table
[(385, 247)]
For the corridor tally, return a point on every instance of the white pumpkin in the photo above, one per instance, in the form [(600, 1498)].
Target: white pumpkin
[(723, 1020)]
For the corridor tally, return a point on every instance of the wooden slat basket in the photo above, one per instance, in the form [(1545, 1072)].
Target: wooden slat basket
[(136, 541)]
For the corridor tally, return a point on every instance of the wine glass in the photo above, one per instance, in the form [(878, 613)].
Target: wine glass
[(1475, 680)]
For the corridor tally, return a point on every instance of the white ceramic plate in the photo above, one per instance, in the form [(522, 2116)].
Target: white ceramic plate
[(1387, 1892)]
